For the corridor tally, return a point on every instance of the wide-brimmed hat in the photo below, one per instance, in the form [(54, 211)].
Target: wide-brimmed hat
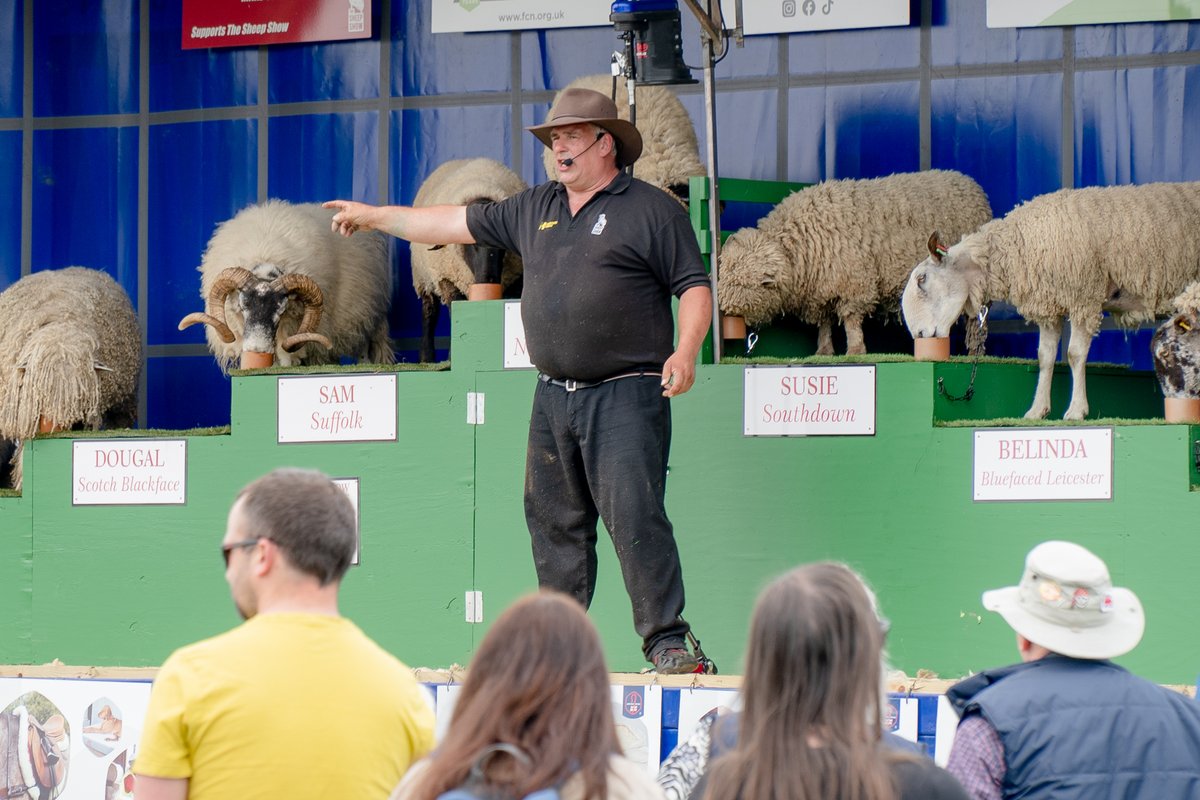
[(1066, 603), (576, 106)]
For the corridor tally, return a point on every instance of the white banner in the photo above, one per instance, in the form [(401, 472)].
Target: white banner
[(800, 16), (337, 408), (516, 356), (128, 472), (92, 726), (1043, 464), (450, 16), (809, 401), (1045, 13)]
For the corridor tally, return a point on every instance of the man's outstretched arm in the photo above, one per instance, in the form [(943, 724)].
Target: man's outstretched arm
[(426, 225)]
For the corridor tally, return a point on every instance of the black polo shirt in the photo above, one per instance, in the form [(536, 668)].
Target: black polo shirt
[(598, 287)]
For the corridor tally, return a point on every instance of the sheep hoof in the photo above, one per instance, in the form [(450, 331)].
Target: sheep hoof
[(1076, 413), (1037, 412)]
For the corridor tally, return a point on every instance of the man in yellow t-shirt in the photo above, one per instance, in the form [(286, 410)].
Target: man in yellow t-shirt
[(296, 702)]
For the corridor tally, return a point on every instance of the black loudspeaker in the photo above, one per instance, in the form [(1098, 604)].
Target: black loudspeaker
[(653, 38)]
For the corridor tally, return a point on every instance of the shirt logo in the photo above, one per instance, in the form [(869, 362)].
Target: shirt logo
[(547, 224), (598, 228)]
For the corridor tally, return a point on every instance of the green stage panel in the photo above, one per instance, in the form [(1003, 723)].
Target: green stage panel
[(16, 567)]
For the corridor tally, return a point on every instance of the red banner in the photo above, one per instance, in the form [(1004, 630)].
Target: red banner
[(241, 23)]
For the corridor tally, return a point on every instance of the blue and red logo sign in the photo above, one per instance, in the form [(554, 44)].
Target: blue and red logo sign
[(634, 704)]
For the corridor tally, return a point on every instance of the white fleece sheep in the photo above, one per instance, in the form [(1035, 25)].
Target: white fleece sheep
[(70, 354), (265, 302), (670, 151), (1072, 253), (843, 249), (444, 273)]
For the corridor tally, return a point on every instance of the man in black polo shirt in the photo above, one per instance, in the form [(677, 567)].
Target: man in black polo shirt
[(603, 253)]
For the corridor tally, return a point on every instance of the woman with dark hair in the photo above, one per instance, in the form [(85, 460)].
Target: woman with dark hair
[(811, 722), (538, 685)]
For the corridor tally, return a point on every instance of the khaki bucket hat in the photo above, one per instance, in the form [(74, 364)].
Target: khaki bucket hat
[(576, 106)]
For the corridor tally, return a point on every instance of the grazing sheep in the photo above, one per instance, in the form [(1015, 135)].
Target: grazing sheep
[(70, 355), (1176, 347), (670, 151), (444, 273), (842, 249), (1072, 253), (276, 279)]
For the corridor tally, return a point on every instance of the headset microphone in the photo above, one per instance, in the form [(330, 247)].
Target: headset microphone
[(566, 162)]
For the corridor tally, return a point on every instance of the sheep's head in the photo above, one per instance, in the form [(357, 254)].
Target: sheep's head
[(942, 287), (55, 383), (1176, 351), (262, 304), (751, 277)]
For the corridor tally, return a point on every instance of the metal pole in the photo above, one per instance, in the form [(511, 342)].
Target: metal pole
[(714, 202)]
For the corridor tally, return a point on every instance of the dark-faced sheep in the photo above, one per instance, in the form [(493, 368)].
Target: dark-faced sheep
[(842, 249), (444, 273), (670, 151), (1074, 253), (70, 355), (1176, 347), (276, 280)]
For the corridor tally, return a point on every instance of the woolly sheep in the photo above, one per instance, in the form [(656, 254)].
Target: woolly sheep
[(1175, 347), (670, 151), (1072, 253), (70, 355), (276, 279), (842, 249), (444, 273)]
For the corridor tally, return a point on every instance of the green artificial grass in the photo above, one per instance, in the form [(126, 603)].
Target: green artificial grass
[(899, 358), (136, 433), (1021, 422), (370, 369)]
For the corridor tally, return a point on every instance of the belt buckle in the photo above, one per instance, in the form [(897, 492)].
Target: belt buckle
[(570, 385)]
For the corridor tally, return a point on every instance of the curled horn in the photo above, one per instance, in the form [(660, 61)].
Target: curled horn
[(229, 280), (309, 293)]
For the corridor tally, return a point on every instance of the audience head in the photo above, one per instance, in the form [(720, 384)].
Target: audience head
[(811, 693), (538, 682), (305, 522), (1066, 603)]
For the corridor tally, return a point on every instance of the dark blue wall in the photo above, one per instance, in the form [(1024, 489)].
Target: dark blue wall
[(120, 151)]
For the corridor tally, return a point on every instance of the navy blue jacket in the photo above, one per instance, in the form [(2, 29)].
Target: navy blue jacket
[(1075, 728)]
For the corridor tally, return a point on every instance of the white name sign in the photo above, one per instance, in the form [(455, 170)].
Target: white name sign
[(796, 16), (128, 472), (810, 401), (1043, 464), (510, 15), (516, 356), (337, 408), (350, 487)]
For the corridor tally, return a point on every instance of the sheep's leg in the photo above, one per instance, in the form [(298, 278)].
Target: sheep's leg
[(854, 335), (431, 309), (1083, 327), (379, 349), (825, 338), (1049, 332)]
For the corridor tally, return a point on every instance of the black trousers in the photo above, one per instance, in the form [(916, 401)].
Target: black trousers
[(601, 452)]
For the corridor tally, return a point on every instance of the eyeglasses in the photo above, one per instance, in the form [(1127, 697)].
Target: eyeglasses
[(226, 549)]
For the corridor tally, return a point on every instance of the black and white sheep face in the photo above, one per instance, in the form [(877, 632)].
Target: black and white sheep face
[(1176, 350), (934, 297), (261, 305), (752, 277)]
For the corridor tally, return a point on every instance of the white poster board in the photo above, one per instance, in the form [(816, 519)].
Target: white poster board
[(809, 401), (516, 355), (637, 710), (450, 16), (1046, 13), (350, 487), (93, 725), (800, 16), (135, 472), (1043, 464)]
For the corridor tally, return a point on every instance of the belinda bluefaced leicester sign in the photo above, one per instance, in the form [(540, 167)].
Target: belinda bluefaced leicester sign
[(1044, 464), (337, 408), (241, 23), (810, 401), (120, 472)]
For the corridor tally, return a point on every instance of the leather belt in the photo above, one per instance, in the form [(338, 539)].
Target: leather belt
[(573, 385)]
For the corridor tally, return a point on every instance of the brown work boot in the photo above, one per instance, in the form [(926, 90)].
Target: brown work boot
[(674, 661)]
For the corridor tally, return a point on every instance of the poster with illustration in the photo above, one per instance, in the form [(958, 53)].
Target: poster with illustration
[(637, 711)]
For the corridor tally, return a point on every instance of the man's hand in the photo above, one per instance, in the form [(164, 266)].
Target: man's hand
[(678, 373), (351, 217)]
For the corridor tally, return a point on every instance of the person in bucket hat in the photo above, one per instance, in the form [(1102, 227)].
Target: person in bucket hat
[(1066, 722), (603, 253)]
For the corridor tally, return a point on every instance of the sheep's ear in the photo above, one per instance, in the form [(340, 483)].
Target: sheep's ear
[(936, 248)]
